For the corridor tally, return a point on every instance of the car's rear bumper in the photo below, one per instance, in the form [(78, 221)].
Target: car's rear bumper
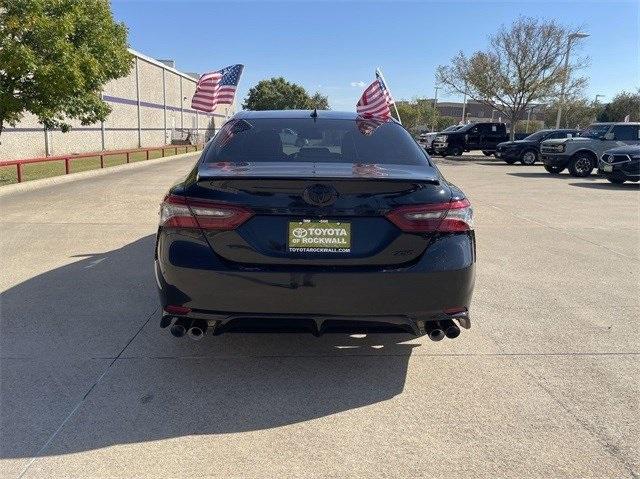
[(442, 279)]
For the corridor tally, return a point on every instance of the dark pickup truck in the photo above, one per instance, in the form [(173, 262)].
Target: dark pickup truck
[(475, 136)]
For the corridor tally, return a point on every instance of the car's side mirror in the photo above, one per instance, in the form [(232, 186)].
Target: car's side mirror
[(609, 136)]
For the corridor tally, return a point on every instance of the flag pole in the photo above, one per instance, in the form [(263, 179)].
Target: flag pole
[(379, 74)]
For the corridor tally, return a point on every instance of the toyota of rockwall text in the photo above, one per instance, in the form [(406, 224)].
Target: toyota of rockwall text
[(318, 221)]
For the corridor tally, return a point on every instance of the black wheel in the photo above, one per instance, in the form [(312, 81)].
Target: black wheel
[(581, 165), (487, 153), (554, 170), (456, 151), (529, 157), (616, 180), (509, 161)]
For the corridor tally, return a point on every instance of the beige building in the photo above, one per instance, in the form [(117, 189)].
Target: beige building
[(150, 107)]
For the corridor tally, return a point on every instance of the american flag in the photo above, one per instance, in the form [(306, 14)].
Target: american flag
[(216, 88), (368, 124), (229, 130), (376, 100)]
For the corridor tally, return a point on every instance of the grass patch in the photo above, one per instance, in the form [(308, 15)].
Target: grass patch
[(36, 171)]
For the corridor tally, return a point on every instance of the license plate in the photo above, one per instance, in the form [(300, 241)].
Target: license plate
[(322, 236), (607, 168)]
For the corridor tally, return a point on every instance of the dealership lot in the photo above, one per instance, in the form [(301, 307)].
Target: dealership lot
[(545, 384)]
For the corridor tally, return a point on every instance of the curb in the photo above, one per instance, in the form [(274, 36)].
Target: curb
[(61, 179)]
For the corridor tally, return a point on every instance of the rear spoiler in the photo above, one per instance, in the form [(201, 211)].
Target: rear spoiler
[(317, 171)]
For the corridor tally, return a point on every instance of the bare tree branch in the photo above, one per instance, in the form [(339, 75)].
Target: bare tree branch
[(523, 64)]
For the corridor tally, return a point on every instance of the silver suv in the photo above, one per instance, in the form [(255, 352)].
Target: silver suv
[(580, 154)]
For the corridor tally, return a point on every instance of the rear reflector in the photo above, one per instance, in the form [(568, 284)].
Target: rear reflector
[(174, 309), (449, 217), (181, 212), (455, 310)]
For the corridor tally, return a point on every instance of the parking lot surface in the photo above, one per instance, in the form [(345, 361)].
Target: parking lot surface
[(545, 384)]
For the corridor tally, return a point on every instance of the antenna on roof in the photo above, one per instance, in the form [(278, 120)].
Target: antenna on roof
[(314, 113)]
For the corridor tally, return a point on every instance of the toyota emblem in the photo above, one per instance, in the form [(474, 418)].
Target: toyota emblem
[(320, 195)]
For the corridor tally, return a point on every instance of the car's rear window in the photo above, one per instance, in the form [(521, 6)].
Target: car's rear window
[(319, 140)]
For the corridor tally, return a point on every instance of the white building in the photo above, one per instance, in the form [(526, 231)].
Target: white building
[(150, 106)]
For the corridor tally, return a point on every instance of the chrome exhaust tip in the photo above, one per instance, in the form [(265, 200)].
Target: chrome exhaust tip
[(180, 327), (434, 331), (451, 331), (166, 321), (197, 330)]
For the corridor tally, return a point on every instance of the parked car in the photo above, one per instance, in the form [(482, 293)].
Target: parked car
[(427, 142), (527, 151), (475, 136), (620, 164), (359, 233), (580, 154)]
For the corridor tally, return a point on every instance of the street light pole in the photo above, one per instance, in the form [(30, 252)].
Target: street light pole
[(435, 102), (529, 117), (464, 103), (595, 104), (564, 79)]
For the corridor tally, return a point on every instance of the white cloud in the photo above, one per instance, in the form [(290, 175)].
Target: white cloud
[(357, 83)]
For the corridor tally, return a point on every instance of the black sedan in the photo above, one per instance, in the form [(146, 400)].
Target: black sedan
[(620, 164), (349, 228), (527, 150)]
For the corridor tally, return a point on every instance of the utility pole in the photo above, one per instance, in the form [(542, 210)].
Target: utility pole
[(529, 118), (595, 104), (435, 103), (566, 69), (464, 103)]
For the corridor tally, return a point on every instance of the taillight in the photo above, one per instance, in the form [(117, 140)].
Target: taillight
[(181, 212), (450, 217)]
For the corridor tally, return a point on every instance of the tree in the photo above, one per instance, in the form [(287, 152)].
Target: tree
[(577, 112), (279, 94), (55, 56), (417, 114), (409, 115), (523, 64), (319, 101), (533, 126), (623, 104), (443, 122)]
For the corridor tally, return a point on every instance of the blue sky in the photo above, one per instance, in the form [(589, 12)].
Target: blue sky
[(333, 46)]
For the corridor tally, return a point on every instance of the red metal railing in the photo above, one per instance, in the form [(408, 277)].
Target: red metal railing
[(101, 154)]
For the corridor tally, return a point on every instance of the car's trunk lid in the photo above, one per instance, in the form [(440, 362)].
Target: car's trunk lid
[(284, 196)]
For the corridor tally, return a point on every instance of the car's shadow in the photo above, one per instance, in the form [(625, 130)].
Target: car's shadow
[(497, 163), (144, 385), (605, 185), (544, 174)]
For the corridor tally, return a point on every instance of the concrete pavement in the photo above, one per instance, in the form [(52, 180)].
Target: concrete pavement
[(545, 384)]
